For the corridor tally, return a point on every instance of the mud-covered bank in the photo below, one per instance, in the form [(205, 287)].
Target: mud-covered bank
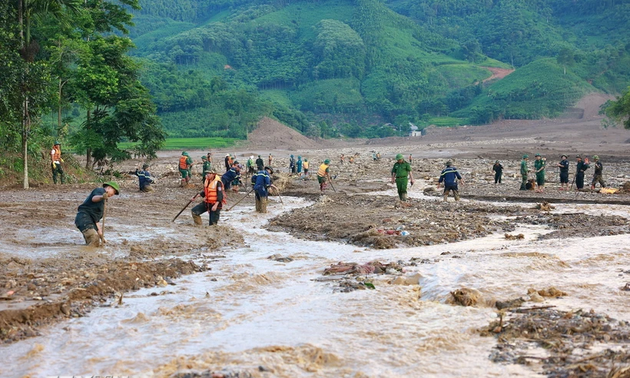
[(55, 289), (383, 222), (47, 274)]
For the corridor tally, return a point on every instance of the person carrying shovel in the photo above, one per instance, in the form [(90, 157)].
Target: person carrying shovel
[(92, 210), (213, 199), (401, 172)]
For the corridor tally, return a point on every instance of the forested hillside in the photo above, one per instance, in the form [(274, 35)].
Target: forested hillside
[(347, 67)]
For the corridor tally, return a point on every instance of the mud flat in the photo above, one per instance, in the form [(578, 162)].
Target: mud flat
[(328, 285)]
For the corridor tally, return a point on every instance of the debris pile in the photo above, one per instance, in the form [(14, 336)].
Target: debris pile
[(569, 337)]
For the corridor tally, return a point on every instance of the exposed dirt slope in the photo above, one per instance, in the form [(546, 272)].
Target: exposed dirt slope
[(272, 134)]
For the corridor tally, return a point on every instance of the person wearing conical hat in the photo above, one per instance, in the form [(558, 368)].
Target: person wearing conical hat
[(401, 174), (598, 174), (90, 212), (55, 156)]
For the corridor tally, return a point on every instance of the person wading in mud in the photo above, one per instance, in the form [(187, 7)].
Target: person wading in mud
[(401, 173), (597, 175), (524, 171), (498, 172), (144, 179), (449, 177), (581, 167), (185, 162), (55, 157), (540, 165), (261, 182), (323, 175), (564, 172), (213, 200), (91, 211), (269, 159)]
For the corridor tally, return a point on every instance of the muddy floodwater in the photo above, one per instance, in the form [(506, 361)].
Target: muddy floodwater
[(265, 309)]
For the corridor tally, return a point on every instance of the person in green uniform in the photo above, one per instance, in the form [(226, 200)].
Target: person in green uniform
[(524, 172), (400, 172), (185, 162), (207, 166), (539, 165)]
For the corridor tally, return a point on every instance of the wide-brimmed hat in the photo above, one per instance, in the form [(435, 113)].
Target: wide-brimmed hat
[(114, 185), (269, 169), (399, 156)]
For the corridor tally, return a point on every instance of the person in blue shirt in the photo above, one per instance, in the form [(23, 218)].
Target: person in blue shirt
[(261, 182), (299, 165), (144, 179), (449, 177), (229, 177)]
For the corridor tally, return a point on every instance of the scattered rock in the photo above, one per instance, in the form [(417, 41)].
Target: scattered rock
[(465, 297), (514, 237)]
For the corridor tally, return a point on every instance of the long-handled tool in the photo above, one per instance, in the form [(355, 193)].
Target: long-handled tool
[(279, 196), (331, 185), (102, 234), (182, 210), (239, 201)]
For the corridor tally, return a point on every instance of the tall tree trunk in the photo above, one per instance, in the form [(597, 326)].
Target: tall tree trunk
[(26, 123), (88, 157)]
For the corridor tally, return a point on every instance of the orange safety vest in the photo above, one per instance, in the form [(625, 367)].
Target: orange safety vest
[(322, 170), (57, 155), (210, 191), (183, 164)]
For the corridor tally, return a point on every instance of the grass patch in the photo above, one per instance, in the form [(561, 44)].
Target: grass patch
[(447, 121), (190, 143)]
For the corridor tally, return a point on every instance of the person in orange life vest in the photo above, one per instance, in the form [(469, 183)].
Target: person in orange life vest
[(185, 162), (214, 199), (55, 156)]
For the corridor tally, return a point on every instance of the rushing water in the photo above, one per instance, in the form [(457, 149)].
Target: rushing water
[(250, 311)]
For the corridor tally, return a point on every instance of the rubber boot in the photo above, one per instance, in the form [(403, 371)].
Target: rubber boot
[(258, 208), (183, 183), (91, 237), (403, 197), (263, 204), (197, 219), (456, 192)]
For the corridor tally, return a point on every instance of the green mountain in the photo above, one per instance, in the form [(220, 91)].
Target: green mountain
[(348, 66)]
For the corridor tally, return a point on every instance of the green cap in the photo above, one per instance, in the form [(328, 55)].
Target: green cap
[(595, 157), (537, 155), (185, 154), (449, 163), (113, 185), (525, 156), (57, 143), (145, 166), (204, 158), (399, 156), (327, 161)]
